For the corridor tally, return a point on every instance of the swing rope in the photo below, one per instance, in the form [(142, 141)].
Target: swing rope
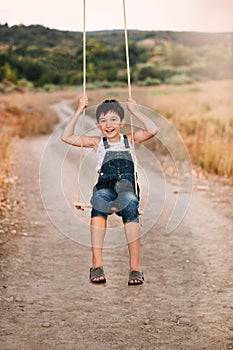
[(84, 48), (127, 51), (83, 114), (78, 204), (130, 96)]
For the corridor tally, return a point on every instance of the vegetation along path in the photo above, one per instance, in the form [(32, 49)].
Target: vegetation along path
[(47, 301)]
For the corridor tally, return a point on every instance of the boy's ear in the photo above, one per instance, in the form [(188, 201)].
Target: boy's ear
[(122, 123), (97, 124)]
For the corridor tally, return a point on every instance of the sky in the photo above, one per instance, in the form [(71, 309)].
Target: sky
[(174, 15)]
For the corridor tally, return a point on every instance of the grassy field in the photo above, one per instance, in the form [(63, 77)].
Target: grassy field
[(201, 113)]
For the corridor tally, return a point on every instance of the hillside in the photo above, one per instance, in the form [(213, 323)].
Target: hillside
[(21, 35), (42, 56)]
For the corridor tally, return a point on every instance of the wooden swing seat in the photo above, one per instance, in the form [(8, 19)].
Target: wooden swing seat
[(82, 206)]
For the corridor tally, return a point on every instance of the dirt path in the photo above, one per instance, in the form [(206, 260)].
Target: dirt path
[(48, 303)]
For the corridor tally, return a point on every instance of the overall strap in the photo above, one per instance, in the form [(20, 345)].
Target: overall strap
[(106, 145), (105, 141), (126, 141)]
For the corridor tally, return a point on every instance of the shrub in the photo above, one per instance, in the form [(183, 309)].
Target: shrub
[(149, 82), (145, 71), (179, 79), (164, 72)]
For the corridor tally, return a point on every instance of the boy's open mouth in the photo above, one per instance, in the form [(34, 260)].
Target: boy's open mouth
[(109, 130)]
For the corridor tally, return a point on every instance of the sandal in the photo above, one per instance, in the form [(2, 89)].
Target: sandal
[(97, 273), (136, 277)]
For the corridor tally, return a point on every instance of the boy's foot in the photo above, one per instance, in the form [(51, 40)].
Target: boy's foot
[(135, 278), (97, 275)]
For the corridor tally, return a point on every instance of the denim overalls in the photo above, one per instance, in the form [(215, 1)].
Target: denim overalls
[(116, 187)]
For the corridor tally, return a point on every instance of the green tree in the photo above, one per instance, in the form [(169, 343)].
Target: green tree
[(7, 72), (33, 70), (145, 71)]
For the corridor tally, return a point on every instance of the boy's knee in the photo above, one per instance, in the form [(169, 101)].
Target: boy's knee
[(128, 199), (101, 200), (129, 207)]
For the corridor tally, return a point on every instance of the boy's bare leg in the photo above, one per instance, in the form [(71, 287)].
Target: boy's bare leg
[(98, 229), (132, 232)]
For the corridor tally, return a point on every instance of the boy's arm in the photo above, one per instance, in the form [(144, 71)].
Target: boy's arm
[(150, 129), (78, 140)]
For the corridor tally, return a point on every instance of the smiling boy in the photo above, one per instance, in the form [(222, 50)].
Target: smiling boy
[(115, 190)]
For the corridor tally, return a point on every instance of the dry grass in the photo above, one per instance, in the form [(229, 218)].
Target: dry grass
[(5, 168), (204, 118), (21, 115), (27, 114)]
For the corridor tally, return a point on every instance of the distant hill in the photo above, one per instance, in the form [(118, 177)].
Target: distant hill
[(20, 35), (41, 55), (41, 36)]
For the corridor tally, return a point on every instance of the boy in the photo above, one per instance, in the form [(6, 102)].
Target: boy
[(115, 189)]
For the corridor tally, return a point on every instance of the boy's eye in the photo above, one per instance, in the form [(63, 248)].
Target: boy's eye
[(112, 120)]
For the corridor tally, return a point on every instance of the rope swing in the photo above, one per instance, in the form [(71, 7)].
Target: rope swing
[(130, 95), (79, 204)]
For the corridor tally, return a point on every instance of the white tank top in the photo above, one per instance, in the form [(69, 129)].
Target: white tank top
[(113, 146)]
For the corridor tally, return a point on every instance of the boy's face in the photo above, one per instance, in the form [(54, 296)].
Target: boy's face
[(110, 125)]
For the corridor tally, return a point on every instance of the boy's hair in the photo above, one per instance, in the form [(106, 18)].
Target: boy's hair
[(109, 105)]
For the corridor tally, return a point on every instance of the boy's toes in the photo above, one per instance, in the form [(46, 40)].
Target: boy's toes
[(135, 278), (97, 275), (135, 282), (98, 280)]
